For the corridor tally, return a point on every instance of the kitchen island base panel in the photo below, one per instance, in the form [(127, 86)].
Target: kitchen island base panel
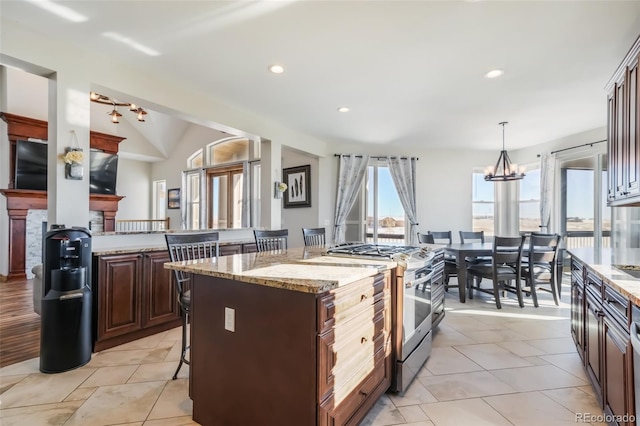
[(264, 372)]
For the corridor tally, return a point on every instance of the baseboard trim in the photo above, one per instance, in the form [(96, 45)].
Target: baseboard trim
[(3, 278)]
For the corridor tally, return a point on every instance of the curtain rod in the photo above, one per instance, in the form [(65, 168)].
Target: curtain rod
[(377, 157), (577, 146)]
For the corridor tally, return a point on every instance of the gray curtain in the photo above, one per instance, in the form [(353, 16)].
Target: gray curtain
[(547, 174), (350, 173), (403, 173)]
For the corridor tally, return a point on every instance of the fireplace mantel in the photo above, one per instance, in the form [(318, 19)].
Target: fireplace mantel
[(20, 201)]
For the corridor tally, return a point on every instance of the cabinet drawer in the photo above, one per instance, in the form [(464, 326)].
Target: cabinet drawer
[(617, 306), (577, 272), (353, 348), (593, 284), (338, 305), (331, 413)]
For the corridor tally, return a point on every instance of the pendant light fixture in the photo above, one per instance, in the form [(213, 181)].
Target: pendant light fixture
[(504, 170), (105, 100)]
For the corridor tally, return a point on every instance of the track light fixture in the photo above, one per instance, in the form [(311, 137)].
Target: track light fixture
[(105, 100)]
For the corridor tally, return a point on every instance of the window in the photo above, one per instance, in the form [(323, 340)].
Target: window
[(225, 197), (193, 200), (385, 218), (529, 203), (196, 160), (482, 204), (228, 151), (220, 196), (159, 199)]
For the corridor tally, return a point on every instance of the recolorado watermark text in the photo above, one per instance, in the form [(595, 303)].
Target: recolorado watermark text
[(604, 418)]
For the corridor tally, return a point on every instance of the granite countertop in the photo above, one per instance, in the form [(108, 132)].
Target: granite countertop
[(615, 267), (298, 269), (153, 247)]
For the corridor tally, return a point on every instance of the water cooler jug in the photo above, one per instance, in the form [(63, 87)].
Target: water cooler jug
[(65, 333)]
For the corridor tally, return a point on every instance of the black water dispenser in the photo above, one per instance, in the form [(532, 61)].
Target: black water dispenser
[(65, 333)]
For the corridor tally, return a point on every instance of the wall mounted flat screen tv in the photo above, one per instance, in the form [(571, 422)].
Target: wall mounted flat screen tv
[(31, 165), (103, 173)]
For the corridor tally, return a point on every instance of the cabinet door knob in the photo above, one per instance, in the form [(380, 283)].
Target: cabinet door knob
[(363, 297), (363, 340)]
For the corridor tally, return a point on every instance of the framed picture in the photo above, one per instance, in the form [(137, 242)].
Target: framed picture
[(173, 198), (298, 193)]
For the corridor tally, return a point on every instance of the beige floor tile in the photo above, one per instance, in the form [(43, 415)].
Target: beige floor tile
[(174, 421), (149, 342), (537, 330), (42, 388), (470, 412), (413, 413), (554, 346), (157, 371), (521, 349), (45, 414), (174, 352), (110, 405), (29, 366), (491, 356), (450, 337), (415, 394), (105, 376), (538, 377), (493, 336), (174, 401), (448, 360), (531, 409), (422, 423), (464, 385), (130, 357), (7, 382), (571, 363), (535, 360), (383, 413), (575, 400), (80, 394)]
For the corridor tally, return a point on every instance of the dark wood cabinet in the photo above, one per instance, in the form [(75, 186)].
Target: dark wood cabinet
[(606, 350), (135, 297), (321, 359), (119, 293), (161, 297), (577, 307), (229, 249), (623, 103)]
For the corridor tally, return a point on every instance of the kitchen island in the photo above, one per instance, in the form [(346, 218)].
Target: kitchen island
[(605, 304), (288, 338)]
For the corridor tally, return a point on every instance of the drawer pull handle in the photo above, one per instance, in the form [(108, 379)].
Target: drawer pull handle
[(363, 340), (363, 393)]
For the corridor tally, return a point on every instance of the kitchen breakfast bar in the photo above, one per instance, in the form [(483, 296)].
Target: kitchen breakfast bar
[(289, 338)]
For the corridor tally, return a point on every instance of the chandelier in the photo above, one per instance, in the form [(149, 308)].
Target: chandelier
[(115, 115), (504, 170)]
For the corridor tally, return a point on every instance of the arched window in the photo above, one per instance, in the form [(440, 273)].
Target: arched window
[(195, 161), (229, 150)]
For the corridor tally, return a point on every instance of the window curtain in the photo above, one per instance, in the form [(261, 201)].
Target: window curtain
[(246, 195), (403, 173), (350, 173), (547, 174)]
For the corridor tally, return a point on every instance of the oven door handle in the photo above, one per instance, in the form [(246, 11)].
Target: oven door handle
[(419, 281)]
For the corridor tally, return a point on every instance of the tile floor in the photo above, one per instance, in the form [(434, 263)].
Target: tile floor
[(488, 367)]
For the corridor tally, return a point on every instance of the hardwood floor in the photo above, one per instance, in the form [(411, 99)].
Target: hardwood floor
[(19, 325)]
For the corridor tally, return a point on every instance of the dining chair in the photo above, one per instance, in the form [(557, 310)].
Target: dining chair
[(450, 266), (314, 237), (467, 237), (425, 238), (271, 240), (188, 247), (540, 266), (504, 269)]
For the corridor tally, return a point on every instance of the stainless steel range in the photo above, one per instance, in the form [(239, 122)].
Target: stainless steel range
[(417, 269)]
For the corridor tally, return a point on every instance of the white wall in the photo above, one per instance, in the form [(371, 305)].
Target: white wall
[(294, 219), (134, 183)]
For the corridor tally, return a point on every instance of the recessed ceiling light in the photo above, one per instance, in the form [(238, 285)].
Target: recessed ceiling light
[(494, 73), (276, 69), (344, 109)]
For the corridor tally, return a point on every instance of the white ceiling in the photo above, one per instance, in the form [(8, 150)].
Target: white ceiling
[(412, 72)]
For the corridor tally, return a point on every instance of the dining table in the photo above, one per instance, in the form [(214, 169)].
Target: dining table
[(461, 252)]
